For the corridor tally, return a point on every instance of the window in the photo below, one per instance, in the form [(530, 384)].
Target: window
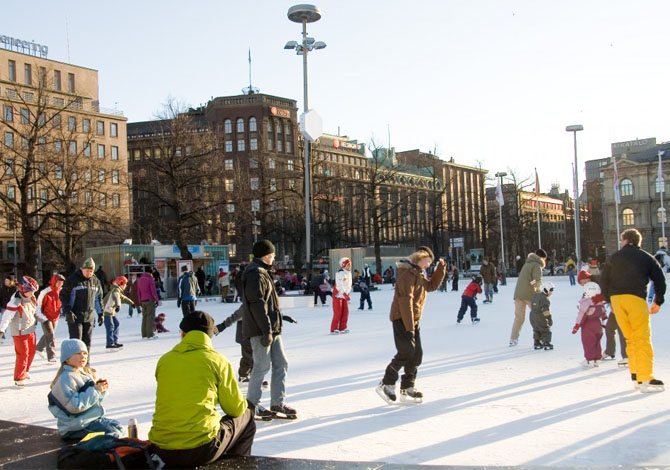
[(270, 127), (271, 163), (42, 119), (273, 184), (100, 129), (44, 195), (136, 154), (660, 185), (70, 82), (71, 123), (43, 76), (87, 149), (253, 143), (101, 176), (8, 114), (157, 153), (229, 185), (229, 145), (58, 171), (628, 217), (240, 145), (116, 200), (86, 125), (289, 146), (57, 82), (114, 129), (12, 251), (115, 152), (11, 192), (255, 205), (74, 198), (28, 73), (101, 151), (115, 176), (72, 148), (289, 165), (662, 216), (252, 124), (253, 183), (11, 71), (231, 207), (279, 146), (227, 126), (9, 139), (58, 146), (87, 175), (89, 198), (25, 116), (270, 142), (9, 166), (56, 120), (103, 200), (228, 164), (240, 125), (626, 187), (291, 183), (230, 228)]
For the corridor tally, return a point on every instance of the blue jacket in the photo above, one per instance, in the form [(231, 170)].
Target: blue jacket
[(74, 401), (82, 297)]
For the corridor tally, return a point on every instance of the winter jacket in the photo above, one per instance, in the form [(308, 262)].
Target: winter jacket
[(48, 302), (191, 380), (410, 292), (102, 277), (21, 314), (628, 271), (146, 289), (224, 279), (530, 278), (6, 293), (74, 401), (663, 259), (472, 289), (234, 318), (589, 310), (113, 300), (342, 284), (131, 292), (488, 272), (82, 297), (261, 303), (188, 287), (540, 305)]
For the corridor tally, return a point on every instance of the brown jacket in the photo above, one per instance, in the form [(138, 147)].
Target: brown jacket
[(488, 272), (410, 292)]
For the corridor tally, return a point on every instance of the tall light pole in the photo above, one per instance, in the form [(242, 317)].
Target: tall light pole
[(578, 249), (305, 14)]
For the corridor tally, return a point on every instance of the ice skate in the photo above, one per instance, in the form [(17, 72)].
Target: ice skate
[(608, 358), (623, 362), (590, 364), (475, 321), (548, 346), (20, 383), (537, 345), (283, 411), (41, 354), (386, 392), (335, 332), (345, 331), (262, 413), (513, 342), (411, 395), (651, 386)]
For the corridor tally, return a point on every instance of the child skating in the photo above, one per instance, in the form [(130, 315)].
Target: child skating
[(365, 294), (540, 317), (469, 299), (110, 307), (591, 313)]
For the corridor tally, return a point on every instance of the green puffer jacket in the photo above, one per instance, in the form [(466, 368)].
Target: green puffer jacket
[(191, 379), (531, 271)]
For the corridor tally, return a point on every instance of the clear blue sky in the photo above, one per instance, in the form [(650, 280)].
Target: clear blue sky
[(490, 82)]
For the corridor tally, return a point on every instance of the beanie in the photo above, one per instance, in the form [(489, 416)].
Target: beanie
[(70, 347), (541, 253), (262, 248), (198, 321), (583, 275), (427, 250), (88, 264)]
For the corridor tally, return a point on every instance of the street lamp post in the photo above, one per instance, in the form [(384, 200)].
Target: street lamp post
[(578, 249), (502, 243), (305, 14)]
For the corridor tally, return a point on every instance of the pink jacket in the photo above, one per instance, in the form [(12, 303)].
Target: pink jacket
[(146, 288), (587, 309)]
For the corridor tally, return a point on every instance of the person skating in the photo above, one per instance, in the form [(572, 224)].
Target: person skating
[(365, 294), (624, 282), (81, 299), (7, 290), (488, 274), (590, 315), (341, 293), (148, 297), (224, 284), (469, 299), (49, 305), (454, 278), (529, 279), (408, 301), (111, 305), (540, 317), (188, 291)]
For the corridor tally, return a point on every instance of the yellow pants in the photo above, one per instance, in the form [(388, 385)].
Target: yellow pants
[(632, 315)]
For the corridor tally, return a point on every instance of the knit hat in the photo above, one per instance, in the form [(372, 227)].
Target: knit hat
[(198, 321), (541, 253), (88, 264), (583, 275), (427, 250), (70, 347), (262, 248)]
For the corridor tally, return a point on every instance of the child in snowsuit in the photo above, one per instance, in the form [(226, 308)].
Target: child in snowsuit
[(159, 326), (469, 299), (540, 317), (76, 396), (591, 313), (365, 294), (110, 306), (21, 315), (341, 298)]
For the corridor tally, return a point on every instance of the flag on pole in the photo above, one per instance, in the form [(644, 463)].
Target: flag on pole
[(617, 194), (499, 195), (537, 185), (659, 177)]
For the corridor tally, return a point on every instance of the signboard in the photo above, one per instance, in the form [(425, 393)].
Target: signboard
[(275, 111), (223, 264), (458, 242), (161, 267), (24, 47), (632, 146)]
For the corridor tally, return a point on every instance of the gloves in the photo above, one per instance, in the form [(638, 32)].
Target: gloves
[(219, 328), (598, 298), (178, 303), (290, 319), (266, 340), (70, 317), (346, 297), (100, 320), (575, 328), (550, 320), (654, 308)]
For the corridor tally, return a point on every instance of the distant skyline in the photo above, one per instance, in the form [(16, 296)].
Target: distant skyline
[(486, 82)]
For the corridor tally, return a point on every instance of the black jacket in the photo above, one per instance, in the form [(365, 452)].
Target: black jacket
[(82, 297), (6, 295), (628, 271), (261, 303)]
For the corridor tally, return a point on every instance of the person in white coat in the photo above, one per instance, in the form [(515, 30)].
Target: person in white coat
[(343, 282)]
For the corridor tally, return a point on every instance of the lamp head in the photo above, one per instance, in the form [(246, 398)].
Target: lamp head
[(291, 45), (319, 45), (574, 128)]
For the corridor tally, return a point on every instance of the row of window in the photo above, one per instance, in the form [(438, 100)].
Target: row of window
[(56, 121), (255, 206), (626, 186), (58, 174), (628, 216), (12, 73), (72, 147), (253, 126), (229, 164), (74, 196)]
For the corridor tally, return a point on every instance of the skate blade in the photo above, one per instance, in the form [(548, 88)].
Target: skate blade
[(276, 415), (651, 388), (622, 364), (384, 397), (410, 400), (263, 418)]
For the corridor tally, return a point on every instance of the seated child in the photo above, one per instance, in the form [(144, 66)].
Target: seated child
[(76, 396), (159, 326), (540, 317), (590, 314), (110, 306), (469, 299)]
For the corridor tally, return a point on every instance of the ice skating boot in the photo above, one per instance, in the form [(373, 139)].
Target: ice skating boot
[(475, 321), (623, 362), (262, 413), (283, 411), (411, 395), (548, 346), (590, 364), (537, 345), (386, 392), (651, 386)]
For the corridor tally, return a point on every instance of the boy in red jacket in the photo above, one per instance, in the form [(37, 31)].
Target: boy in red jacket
[(469, 299), (48, 303)]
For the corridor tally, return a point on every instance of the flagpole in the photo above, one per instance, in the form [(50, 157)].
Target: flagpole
[(662, 183), (616, 204), (501, 202), (537, 193)]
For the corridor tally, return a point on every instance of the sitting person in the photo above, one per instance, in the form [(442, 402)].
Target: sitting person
[(192, 378), (159, 326), (76, 396)]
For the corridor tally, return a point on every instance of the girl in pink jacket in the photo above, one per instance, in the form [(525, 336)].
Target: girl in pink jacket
[(591, 313)]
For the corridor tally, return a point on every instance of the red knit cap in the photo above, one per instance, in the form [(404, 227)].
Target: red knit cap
[(583, 275)]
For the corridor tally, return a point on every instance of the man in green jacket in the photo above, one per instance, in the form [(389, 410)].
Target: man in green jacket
[(192, 379), (530, 279)]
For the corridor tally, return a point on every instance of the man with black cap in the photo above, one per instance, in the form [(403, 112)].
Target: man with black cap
[(192, 379), (530, 279), (81, 299), (262, 323)]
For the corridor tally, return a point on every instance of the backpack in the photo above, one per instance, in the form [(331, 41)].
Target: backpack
[(107, 451)]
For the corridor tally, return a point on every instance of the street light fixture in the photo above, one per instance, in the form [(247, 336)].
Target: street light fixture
[(578, 249), (305, 14)]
